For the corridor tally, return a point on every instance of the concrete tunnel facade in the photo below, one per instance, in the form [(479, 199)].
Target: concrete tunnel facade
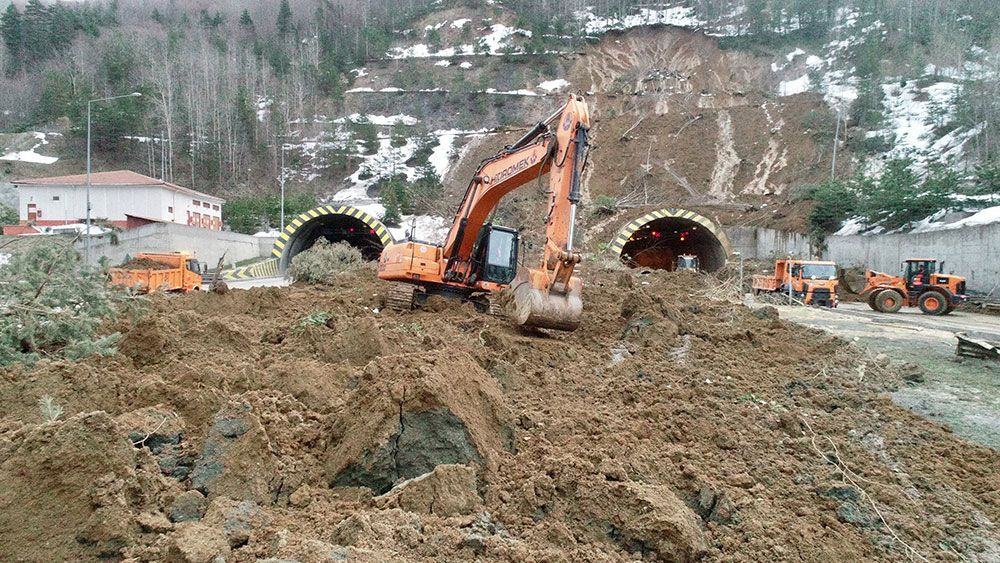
[(655, 239), (336, 224)]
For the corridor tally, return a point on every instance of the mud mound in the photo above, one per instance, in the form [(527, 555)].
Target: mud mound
[(413, 413), (70, 491), (301, 423)]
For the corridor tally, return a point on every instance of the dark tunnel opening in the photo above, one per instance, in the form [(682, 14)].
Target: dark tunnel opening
[(658, 243), (334, 228)]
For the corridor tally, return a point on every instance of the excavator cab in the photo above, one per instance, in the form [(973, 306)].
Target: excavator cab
[(495, 254)]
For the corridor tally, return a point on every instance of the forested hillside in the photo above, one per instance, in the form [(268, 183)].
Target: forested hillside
[(225, 84)]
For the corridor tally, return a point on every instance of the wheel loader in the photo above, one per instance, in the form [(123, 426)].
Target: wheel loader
[(923, 284), (478, 259)]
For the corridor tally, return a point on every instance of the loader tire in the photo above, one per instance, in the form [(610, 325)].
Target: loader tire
[(933, 303), (871, 299), (889, 301)]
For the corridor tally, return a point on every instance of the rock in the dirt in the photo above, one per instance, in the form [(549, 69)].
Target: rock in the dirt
[(850, 513), (650, 518), (236, 460), (153, 428), (236, 519), (912, 372), (449, 490), (714, 507), (189, 506), (194, 542), (766, 313), (843, 492), (175, 461), (474, 541), (154, 522)]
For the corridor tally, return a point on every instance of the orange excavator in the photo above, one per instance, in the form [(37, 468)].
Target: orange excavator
[(479, 259)]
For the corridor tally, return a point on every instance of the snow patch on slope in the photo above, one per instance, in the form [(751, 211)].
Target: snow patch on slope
[(30, 155)]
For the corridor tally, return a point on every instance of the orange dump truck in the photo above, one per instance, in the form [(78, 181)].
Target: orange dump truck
[(149, 272), (810, 281)]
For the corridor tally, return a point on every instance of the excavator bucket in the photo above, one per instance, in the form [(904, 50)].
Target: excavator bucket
[(542, 308)]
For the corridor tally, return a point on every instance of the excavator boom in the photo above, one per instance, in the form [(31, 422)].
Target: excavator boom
[(477, 257)]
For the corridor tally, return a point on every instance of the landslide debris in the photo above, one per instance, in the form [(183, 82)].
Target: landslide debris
[(301, 424)]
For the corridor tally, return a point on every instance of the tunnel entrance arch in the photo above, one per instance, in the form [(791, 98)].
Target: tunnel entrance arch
[(336, 224), (655, 239)]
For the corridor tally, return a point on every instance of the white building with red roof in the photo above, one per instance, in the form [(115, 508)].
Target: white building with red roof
[(122, 198)]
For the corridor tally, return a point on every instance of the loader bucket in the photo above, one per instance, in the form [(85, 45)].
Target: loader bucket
[(541, 308), (845, 283)]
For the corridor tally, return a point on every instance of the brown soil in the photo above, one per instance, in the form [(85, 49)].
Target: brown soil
[(144, 264), (671, 426)]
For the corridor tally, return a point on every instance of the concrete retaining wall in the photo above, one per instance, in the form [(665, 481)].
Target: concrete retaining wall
[(206, 245), (973, 252), (756, 243)]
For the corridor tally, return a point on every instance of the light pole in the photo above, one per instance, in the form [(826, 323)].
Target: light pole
[(740, 254), (89, 103), (281, 181)]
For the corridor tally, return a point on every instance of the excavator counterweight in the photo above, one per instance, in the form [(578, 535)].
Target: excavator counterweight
[(480, 259)]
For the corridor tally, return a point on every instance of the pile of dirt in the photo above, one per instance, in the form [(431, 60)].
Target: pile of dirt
[(144, 264), (306, 424)]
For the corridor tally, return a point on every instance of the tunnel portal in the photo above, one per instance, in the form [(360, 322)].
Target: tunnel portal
[(335, 224), (656, 239)]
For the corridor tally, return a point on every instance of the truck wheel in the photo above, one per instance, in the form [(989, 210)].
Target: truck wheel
[(888, 301), (933, 303), (871, 299)]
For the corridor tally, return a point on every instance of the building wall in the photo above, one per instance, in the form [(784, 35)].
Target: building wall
[(113, 202), (169, 237)]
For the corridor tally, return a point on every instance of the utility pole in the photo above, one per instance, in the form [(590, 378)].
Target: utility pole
[(281, 181)]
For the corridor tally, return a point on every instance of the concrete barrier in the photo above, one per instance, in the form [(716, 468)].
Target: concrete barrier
[(204, 244), (758, 243), (973, 252)]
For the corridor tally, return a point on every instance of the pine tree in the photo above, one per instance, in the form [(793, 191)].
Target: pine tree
[(37, 26), (12, 28), (245, 21), (284, 19)]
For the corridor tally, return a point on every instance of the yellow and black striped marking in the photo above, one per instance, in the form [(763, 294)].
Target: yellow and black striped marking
[(623, 236), (298, 222), (264, 269)]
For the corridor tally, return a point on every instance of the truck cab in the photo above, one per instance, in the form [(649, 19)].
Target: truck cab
[(812, 282)]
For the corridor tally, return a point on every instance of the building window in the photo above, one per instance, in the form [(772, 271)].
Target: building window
[(215, 207), (55, 198), (196, 202), (205, 204), (170, 209)]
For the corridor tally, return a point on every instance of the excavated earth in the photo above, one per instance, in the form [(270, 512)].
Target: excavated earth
[(305, 424)]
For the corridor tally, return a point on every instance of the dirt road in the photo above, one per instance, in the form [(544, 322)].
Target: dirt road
[(960, 392)]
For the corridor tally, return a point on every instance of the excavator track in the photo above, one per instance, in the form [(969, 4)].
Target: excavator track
[(400, 297)]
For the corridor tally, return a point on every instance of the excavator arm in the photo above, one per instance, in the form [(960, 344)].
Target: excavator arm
[(547, 296), (557, 146)]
